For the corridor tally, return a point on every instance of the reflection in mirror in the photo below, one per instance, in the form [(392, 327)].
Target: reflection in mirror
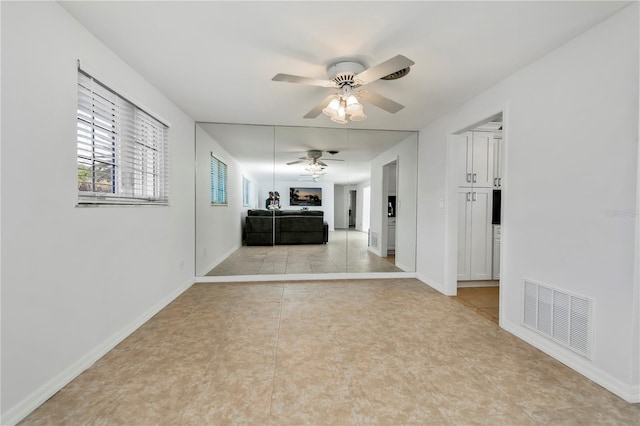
[(305, 200)]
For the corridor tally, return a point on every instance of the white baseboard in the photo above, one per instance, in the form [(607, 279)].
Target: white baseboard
[(432, 283), (581, 365), (306, 277), (219, 260), (403, 267), (46, 391), (482, 283)]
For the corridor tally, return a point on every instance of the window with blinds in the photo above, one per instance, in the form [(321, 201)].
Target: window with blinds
[(122, 150), (246, 190), (218, 181)]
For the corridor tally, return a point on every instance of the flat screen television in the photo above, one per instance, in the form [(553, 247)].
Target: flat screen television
[(305, 197)]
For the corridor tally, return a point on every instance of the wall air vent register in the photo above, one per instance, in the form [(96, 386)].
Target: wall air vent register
[(560, 316)]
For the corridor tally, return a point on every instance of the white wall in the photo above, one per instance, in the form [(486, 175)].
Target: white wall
[(405, 154), (219, 227), (75, 280), (571, 141), (364, 197), (341, 206)]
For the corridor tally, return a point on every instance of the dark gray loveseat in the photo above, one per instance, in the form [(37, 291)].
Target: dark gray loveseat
[(292, 227)]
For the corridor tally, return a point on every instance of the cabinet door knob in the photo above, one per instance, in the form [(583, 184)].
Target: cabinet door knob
[(474, 177), (499, 181), (475, 196), (468, 177), (468, 196)]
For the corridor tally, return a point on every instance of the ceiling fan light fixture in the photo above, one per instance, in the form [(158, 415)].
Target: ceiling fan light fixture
[(314, 168), (353, 106), (356, 113), (341, 114), (331, 110), (358, 117)]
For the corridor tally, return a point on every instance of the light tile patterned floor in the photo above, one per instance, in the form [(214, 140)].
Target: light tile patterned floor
[(346, 251), (356, 352)]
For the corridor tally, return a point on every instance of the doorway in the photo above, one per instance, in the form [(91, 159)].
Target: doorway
[(477, 173), (389, 208), (352, 208)]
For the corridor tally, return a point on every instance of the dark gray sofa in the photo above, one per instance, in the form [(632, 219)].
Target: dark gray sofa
[(291, 227)]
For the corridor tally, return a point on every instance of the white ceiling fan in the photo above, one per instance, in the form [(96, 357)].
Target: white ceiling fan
[(314, 159), (348, 78)]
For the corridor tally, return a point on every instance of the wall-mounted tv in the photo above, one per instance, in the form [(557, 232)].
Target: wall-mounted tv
[(305, 196)]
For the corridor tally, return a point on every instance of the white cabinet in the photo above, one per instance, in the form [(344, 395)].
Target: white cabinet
[(476, 162), (497, 230), (475, 236), (391, 234), (497, 160)]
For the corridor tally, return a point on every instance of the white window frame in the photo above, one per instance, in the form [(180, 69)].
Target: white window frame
[(122, 151)]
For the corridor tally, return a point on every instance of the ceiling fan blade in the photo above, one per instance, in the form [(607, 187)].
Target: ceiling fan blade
[(380, 101), (287, 78), (331, 159), (302, 160), (387, 67), (322, 163), (317, 110)]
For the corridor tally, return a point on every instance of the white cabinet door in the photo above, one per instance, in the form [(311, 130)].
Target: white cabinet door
[(481, 234), (464, 154), (482, 162), (475, 160), (497, 163), (475, 234), (391, 236), (464, 234), (496, 251)]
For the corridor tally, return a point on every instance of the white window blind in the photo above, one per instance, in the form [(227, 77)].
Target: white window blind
[(122, 150), (246, 191), (218, 181)]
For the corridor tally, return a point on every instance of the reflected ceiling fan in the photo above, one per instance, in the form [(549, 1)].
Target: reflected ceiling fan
[(314, 158), (348, 78), (314, 164)]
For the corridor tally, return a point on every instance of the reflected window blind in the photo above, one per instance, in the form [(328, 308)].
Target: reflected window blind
[(122, 150), (246, 188), (218, 181)]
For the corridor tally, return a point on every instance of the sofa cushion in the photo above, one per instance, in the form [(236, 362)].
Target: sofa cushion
[(260, 213), (299, 224), (300, 213), (259, 224)]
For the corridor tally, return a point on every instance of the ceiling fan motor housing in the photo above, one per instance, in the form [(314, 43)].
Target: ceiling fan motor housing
[(314, 154), (343, 73)]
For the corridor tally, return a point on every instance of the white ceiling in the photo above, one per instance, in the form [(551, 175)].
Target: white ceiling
[(215, 60), (264, 151)]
